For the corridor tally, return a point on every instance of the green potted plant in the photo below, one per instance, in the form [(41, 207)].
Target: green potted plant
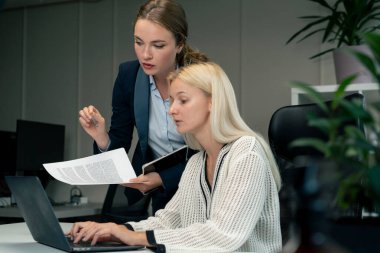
[(341, 26), (351, 146)]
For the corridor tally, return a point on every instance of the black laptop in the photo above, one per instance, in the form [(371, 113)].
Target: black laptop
[(39, 216)]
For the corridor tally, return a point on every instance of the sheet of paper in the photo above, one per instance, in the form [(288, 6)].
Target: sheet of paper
[(111, 167)]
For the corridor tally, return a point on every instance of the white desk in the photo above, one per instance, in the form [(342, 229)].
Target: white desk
[(16, 238), (64, 211)]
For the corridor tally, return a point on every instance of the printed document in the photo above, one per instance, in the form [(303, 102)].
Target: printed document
[(111, 167)]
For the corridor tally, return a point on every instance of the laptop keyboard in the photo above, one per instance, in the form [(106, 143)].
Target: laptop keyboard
[(78, 244), (86, 246)]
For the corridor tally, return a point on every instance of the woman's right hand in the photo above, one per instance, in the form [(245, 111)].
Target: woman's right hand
[(94, 124), (94, 232)]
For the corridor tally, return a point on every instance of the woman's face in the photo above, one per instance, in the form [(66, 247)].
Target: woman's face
[(190, 107), (155, 48)]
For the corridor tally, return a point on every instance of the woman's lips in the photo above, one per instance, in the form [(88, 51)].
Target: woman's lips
[(148, 66)]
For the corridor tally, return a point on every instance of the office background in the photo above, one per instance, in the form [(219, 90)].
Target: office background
[(59, 56)]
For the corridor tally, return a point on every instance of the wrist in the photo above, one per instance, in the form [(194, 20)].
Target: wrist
[(142, 239), (132, 237), (156, 180), (102, 141)]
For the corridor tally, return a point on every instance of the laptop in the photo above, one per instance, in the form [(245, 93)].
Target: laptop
[(39, 216)]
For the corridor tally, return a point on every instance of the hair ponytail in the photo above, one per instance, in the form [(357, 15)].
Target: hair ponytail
[(188, 56)]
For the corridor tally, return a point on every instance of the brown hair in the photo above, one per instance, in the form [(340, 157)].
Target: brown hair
[(170, 15)]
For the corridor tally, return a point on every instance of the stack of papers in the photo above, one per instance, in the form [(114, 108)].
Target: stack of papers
[(111, 167)]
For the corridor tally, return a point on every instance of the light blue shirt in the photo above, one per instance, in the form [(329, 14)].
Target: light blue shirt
[(163, 136)]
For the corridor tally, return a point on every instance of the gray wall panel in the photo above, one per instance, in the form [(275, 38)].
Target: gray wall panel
[(125, 14), (267, 63), (214, 28), (11, 68), (52, 69), (96, 62)]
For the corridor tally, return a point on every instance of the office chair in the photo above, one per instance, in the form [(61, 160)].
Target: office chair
[(287, 124), (116, 208)]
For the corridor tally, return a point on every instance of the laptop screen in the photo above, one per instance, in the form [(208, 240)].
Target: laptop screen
[(40, 218)]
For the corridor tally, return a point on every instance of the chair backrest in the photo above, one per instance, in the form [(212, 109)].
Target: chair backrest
[(290, 123)]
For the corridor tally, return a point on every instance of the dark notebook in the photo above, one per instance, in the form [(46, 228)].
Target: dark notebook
[(167, 161), (39, 216)]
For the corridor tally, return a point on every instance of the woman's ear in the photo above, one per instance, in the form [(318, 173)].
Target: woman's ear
[(179, 48)]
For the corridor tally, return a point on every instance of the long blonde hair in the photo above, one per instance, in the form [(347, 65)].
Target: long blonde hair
[(226, 123)]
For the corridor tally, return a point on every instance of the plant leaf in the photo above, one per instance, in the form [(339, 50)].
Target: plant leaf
[(339, 94), (306, 27), (342, 25), (312, 142), (366, 61), (312, 93)]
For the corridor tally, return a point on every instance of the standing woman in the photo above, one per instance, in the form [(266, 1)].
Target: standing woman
[(227, 198), (141, 99)]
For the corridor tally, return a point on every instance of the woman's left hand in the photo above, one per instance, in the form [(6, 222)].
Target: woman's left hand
[(145, 183), (100, 232)]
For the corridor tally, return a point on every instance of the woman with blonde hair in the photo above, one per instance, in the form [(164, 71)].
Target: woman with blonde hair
[(228, 194)]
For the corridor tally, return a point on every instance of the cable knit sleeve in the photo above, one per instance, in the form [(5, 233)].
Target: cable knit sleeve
[(167, 218)]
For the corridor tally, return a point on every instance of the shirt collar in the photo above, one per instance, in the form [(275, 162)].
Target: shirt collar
[(152, 83)]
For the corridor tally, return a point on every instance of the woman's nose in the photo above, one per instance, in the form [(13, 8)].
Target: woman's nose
[(171, 109), (147, 53)]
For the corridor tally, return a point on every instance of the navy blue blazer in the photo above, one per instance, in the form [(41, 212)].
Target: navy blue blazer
[(130, 108)]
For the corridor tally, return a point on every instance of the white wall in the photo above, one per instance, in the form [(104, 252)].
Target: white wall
[(55, 59)]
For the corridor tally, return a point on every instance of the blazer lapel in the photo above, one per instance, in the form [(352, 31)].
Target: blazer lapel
[(141, 107)]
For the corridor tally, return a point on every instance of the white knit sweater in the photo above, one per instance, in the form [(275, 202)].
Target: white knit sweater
[(239, 213)]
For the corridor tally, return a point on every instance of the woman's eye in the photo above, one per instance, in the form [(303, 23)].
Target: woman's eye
[(159, 46)]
